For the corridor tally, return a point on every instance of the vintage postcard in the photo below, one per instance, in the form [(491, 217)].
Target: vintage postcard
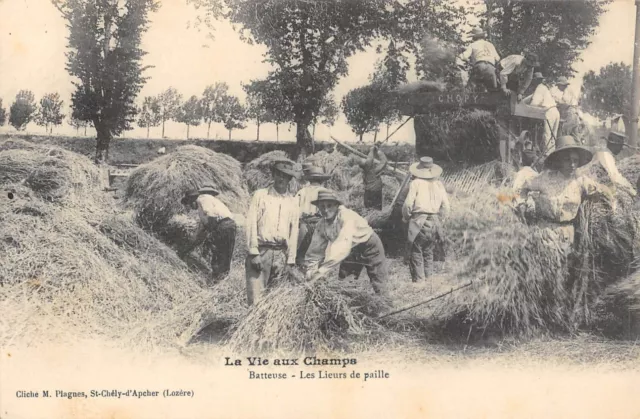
[(319, 209)]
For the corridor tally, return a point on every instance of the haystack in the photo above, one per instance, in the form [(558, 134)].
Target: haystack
[(154, 190), (296, 318)]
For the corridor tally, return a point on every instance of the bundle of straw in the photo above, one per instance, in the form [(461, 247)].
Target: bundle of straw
[(292, 317), (154, 190)]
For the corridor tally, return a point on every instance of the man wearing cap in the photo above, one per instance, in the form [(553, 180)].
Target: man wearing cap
[(272, 231), (483, 58), (309, 215), (217, 225), (542, 98), (558, 191), (426, 201), (372, 176), (342, 237), (516, 73), (567, 106)]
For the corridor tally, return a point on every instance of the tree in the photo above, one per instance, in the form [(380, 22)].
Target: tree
[(362, 110), (3, 114), (50, 112), (149, 113), (609, 92), (327, 114), (232, 113), (211, 103), (105, 56), (169, 102), (190, 113), (309, 42), (279, 108), (22, 110), (256, 99), (558, 31)]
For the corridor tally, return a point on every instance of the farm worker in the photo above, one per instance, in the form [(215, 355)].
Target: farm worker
[(342, 237), (309, 215), (217, 225), (567, 105), (272, 231), (542, 98), (372, 176), (483, 58), (558, 191), (516, 73), (426, 201)]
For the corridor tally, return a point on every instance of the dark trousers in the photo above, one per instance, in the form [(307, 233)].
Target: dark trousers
[(306, 229), (373, 199), (484, 74), (222, 241), (422, 252), (369, 254), (274, 263)]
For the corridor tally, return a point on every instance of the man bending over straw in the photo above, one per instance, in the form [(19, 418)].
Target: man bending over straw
[(216, 225), (342, 237), (427, 198), (272, 231)]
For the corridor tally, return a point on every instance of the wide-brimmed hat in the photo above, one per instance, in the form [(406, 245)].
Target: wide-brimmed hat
[(477, 32), (564, 145), (315, 173), (286, 167), (326, 195), (616, 141), (538, 75), (425, 169), (208, 190), (562, 81), (532, 59), (190, 196)]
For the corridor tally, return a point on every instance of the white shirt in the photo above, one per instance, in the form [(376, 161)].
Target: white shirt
[(305, 196), (542, 97), (210, 206), (480, 50), (272, 219), (568, 97), (425, 196)]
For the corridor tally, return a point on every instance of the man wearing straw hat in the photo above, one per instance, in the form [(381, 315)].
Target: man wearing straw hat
[(372, 177), (426, 201), (542, 98), (309, 215), (558, 191), (217, 225), (567, 106), (272, 231), (516, 73), (342, 237), (483, 57)]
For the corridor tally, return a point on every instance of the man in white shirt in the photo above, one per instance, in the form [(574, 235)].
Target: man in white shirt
[(426, 201), (483, 58), (309, 215), (542, 98), (567, 102), (342, 237), (272, 231), (217, 228), (516, 73)]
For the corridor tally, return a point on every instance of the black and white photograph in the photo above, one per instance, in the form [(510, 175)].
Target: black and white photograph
[(319, 209)]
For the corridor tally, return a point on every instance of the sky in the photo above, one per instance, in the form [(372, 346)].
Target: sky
[(33, 44)]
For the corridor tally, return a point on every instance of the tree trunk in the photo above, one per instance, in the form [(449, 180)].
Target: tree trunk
[(229, 135), (163, 128), (78, 131), (208, 129), (102, 142), (85, 130), (304, 142), (258, 132), (277, 133), (388, 130), (375, 136), (361, 134), (147, 131), (187, 131), (313, 133)]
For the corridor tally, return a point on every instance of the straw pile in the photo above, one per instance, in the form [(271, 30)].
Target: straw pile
[(630, 168), (154, 190), (294, 317), (76, 268)]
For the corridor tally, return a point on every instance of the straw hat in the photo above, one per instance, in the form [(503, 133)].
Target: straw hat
[(425, 169), (565, 144), (562, 81), (477, 32), (538, 75), (208, 190), (286, 167), (315, 173), (326, 195)]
